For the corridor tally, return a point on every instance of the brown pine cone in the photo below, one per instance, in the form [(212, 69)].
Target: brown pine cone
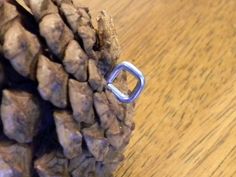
[(58, 117)]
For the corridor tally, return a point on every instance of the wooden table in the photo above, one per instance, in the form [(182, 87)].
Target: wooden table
[(186, 118)]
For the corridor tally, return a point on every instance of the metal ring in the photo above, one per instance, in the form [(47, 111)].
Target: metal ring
[(126, 66)]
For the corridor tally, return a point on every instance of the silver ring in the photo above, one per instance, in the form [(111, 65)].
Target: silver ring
[(126, 66)]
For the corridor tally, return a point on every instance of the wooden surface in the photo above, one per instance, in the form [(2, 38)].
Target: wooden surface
[(186, 118)]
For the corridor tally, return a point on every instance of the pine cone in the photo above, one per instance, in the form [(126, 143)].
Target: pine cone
[(58, 118)]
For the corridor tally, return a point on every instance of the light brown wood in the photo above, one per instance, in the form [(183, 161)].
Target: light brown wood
[(186, 118)]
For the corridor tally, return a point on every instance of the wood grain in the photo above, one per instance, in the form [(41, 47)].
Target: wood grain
[(186, 118)]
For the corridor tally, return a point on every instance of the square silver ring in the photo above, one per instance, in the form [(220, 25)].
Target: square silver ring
[(126, 66)]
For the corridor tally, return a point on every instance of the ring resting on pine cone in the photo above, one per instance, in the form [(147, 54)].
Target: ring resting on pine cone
[(138, 88), (59, 117)]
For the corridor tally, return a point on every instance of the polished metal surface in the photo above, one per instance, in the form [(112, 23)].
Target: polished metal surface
[(126, 66)]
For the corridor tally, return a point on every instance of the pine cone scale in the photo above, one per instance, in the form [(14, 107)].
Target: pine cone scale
[(56, 102)]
